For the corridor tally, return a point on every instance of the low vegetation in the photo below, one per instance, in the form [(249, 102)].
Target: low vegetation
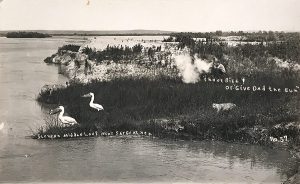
[(70, 47), (114, 53), (54, 129), (285, 46), (139, 104)]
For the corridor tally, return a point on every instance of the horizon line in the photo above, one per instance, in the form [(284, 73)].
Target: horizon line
[(120, 30)]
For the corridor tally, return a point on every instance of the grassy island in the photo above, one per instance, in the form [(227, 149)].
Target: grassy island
[(23, 34), (262, 79)]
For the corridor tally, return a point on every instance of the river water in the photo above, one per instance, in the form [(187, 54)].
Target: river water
[(102, 159)]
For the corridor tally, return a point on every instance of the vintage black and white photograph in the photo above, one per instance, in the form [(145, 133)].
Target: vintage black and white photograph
[(150, 91)]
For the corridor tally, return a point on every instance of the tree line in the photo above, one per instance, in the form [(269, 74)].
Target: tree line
[(23, 34), (259, 36)]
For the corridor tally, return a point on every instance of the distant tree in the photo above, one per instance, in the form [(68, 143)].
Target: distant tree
[(169, 39), (219, 33), (137, 48), (115, 53)]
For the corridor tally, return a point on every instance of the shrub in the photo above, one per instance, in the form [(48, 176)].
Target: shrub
[(70, 47), (114, 53)]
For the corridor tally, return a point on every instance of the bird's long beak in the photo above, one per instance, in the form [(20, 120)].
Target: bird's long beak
[(86, 95), (54, 111)]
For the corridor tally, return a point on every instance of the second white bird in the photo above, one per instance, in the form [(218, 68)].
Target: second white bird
[(93, 105)]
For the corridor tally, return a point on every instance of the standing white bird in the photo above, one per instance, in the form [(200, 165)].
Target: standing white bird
[(66, 120), (93, 105)]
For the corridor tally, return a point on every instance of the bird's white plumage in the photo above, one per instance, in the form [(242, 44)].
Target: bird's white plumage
[(93, 105), (65, 119), (96, 106)]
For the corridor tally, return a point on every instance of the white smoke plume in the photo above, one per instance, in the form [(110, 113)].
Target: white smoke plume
[(190, 69)]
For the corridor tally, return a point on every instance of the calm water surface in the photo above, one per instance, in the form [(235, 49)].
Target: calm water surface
[(23, 73)]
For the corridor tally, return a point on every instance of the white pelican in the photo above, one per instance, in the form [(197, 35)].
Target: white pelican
[(66, 120), (93, 105)]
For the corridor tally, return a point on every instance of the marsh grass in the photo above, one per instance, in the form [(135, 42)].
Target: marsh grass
[(135, 104), (52, 127)]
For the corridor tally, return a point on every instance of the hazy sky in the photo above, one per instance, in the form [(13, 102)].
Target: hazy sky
[(173, 15)]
